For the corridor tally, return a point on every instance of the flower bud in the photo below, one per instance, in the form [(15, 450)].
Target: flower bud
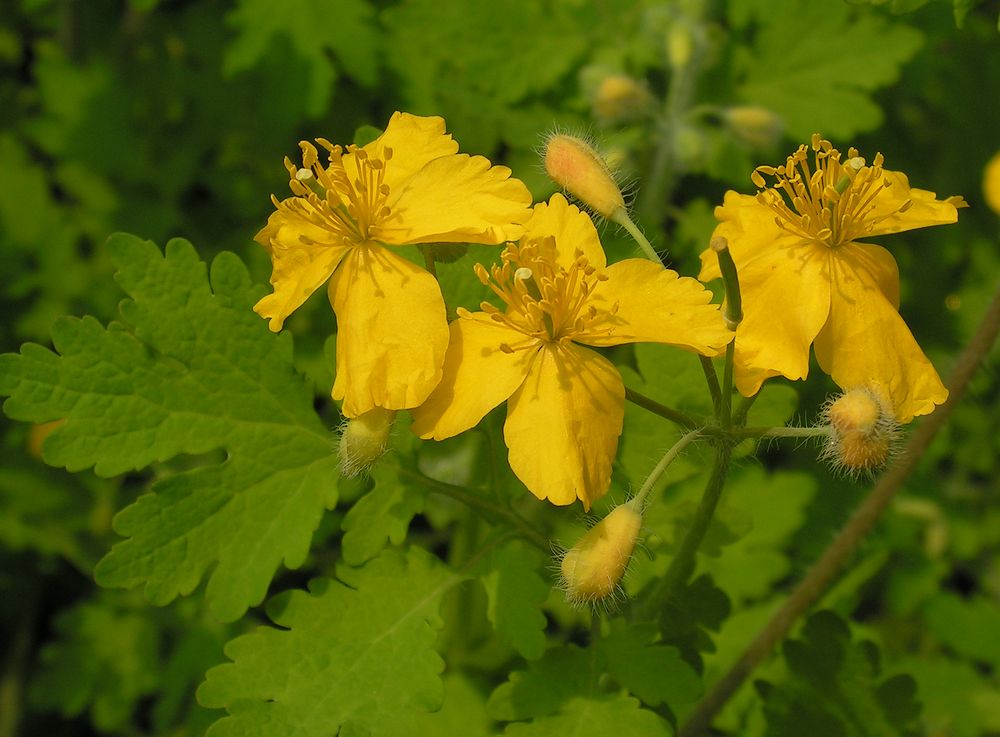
[(592, 569), (863, 430), (756, 126), (619, 99), (364, 439), (576, 167)]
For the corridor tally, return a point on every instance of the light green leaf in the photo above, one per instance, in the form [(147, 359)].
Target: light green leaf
[(354, 654), (653, 672), (800, 66), (583, 717), (516, 592), (192, 370), (381, 515)]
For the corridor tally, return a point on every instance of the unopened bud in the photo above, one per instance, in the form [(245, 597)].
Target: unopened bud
[(593, 568), (863, 430), (619, 99), (576, 167), (756, 126), (364, 439), (680, 46)]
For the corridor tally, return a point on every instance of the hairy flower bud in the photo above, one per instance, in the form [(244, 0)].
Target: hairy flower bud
[(592, 569), (576, 167), (863, 430), (364, 439)]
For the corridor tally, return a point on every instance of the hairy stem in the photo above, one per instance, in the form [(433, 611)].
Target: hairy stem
[(823, 572), (683, 564)]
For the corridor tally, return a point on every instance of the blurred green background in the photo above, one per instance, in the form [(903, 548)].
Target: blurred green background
[(171, 118)]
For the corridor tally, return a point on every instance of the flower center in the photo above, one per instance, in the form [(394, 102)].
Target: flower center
[(545, 300), (832, 202), (344, 198)]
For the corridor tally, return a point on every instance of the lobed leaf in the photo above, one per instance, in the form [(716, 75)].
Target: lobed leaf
[(191, 371), (354, 654)]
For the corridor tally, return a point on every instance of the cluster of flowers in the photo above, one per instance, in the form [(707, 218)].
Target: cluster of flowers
[(805, 281)]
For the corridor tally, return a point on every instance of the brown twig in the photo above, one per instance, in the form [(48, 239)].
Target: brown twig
[(823, 572)]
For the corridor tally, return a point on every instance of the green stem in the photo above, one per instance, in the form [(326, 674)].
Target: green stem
[(640, 498), (740, 415), (683, 564), (712, 379), (621, 217), (662, 410), (819, 577), (742, 433), (484, 506), (726, 413)]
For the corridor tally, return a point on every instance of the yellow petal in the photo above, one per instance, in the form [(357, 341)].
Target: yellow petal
[(925, 209), (392, 331), (455, 199), (477, 377), (572, 229), (563, 424), (655, 305), (298, 268), (867, 343), (415, 141), (786, 300), (748, 228)]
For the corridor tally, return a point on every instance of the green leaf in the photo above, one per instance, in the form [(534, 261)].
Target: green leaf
[(516, 593), (209, 378), (354, 654), (584, 717), (970, 627), (104, 658), (463, 713), (653, 672), (833, 687), (313, 30), (381, 515), (550, 682), (777, 503), (798, 65)]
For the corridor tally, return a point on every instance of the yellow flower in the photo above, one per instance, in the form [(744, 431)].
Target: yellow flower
[(564, 402), (409, 186), (991, 183), (805, 278)]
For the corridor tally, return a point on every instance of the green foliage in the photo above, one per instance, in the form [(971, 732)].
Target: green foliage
[(834, 687), (105, 660), (374, 625), (179, 411), (149, 389), (798, 66), (305, 27)]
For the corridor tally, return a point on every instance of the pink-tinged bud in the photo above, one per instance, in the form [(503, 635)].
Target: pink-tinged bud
[(576, 167), (863, 430), (364, 440), (593, 568)]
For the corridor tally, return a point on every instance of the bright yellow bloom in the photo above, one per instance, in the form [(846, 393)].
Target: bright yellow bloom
[(805, 278), (564, 402), (409, 186), (991, 183)]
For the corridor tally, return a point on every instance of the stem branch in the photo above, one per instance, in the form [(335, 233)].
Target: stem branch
[(823, 572)]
